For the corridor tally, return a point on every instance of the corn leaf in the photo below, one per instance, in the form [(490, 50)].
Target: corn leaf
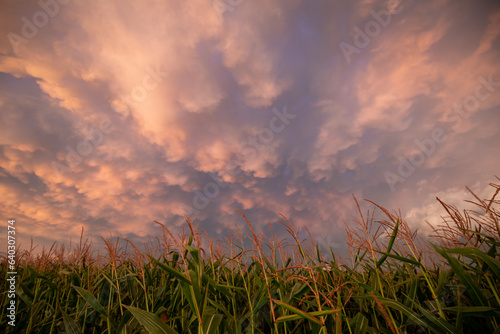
[(298, 312), (298, 317), (150, 321), (389, 246), (70, 326), (91, 300), (171, 271)]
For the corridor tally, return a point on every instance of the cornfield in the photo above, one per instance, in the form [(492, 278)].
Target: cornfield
[(394, 281)]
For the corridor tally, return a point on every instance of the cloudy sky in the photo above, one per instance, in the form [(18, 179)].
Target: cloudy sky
[(117, 113)]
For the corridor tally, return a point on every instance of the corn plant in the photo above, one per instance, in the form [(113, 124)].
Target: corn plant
[(394, 281)]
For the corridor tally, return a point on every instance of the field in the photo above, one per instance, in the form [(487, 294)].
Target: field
[(393, 282)]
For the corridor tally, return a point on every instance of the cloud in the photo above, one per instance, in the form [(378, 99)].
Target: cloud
[(116, 114), (431, 212)]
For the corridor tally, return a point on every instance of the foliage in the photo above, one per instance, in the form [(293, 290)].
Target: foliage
[(396, 283)]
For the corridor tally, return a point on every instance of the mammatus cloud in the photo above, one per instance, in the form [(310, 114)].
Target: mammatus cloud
[(118, 113)]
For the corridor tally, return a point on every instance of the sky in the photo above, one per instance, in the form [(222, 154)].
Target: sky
[(117, 113)]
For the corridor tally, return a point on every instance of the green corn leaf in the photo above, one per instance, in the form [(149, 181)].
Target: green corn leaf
[(400, 258), (269, 265), (27, 290), (359, 324), (470, 252), (318, 254), (24, 297), (70, 326), (470, 285), (194, 253), (123, 323), (413, 291), (479, 311), (195, 286), (225, 289), (171, 271), (432, 323), (441, 324), (298, 317), (191, 298), (89, 298), (36, 274), (298, 312), (389, 246), (211, 323), (442, 278), (150, 321), (220, 307)]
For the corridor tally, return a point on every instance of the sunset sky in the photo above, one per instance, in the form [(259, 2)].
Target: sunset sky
[(116, 113)]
